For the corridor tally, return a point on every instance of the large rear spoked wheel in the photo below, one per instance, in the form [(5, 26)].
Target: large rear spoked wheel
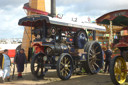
[(37, 66), (65, 66), (118, 70), (94, 57)]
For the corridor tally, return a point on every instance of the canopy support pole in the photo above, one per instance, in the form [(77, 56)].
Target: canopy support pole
[(111, 34), (94, 35)]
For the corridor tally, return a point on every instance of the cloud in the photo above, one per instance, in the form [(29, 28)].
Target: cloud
[(10, 13), (12, 3), (69, 2), (12, 10), (9, 22), (92, 7)]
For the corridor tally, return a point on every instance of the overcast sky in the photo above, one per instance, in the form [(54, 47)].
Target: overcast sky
[(12, 10)]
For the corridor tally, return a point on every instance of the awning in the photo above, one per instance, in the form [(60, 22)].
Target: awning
[(119, 18)]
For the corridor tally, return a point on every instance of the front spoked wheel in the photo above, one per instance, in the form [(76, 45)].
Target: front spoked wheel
[(37, 66), (65, 66), (118, 70)]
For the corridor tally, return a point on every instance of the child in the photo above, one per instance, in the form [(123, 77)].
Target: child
[(20, 60)]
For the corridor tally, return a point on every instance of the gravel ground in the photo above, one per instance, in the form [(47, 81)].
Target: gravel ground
[(51, 78)]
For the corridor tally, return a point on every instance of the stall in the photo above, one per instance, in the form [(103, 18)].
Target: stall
[(118, 40), (114, 22)]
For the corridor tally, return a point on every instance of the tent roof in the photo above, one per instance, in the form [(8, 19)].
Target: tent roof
[(119, 18)]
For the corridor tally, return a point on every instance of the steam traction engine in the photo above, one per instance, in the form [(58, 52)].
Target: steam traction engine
[(63, 45), (118, 67)]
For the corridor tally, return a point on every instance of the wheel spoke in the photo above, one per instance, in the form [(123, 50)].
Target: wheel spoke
[(93, 67), (62, 70), (91, 51), (69, 66), (62, 63), (96, 48), (66, 73), (90, 58), (96, 65), (68, 62), (37, 70), (65, 60), (91, 61), (91, 64), (90, 54), (97, 53), (62, 73), (117, 77), (93, 48), (68, 69)]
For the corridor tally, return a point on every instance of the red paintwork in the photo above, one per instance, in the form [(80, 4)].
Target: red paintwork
[(11, 53), (71, 40), (121, 44), (37, 46), (35, 10), (113, 55)]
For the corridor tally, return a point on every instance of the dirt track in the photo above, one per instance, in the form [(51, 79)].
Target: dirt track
[(51, 78)]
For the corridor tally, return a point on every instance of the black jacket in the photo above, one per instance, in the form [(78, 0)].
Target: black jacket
[(20, 58), (108, 54), (1, 60)]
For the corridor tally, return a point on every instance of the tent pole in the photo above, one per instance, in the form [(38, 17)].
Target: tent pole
[(111, 34)]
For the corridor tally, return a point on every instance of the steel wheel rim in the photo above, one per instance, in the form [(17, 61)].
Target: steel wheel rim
[(119, 74), (65, 66), (94, 59)]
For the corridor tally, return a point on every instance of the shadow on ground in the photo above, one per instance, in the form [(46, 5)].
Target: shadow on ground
[(51, 78)]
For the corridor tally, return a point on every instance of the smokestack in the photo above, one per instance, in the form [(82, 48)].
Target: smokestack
[(53, 8)]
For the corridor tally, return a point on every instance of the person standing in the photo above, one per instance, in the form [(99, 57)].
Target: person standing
[(1, 66), (6, 65), (108, 54), (20, 60), (1, 60)]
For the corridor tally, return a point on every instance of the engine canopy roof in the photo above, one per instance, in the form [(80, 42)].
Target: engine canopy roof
[(37, 20)]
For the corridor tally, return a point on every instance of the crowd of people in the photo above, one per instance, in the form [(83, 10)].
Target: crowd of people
[(5, 64)]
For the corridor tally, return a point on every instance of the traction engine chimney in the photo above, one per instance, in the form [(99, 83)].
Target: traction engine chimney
[(53, 8)]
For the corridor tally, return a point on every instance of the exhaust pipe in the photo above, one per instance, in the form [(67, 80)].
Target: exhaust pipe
[(53, 8)]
